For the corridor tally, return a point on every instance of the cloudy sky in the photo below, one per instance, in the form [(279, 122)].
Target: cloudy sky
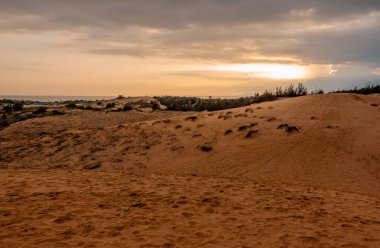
[(182, 47)]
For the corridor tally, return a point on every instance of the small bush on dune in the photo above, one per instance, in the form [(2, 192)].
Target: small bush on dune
[(292, 129), (250, 133), (92, 166), (228, 132), (205, 148), (283, 126), (253, 124), (288, 129), (242, 128), (191, 118)]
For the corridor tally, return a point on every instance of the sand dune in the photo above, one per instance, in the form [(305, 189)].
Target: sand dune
[(300, 172)]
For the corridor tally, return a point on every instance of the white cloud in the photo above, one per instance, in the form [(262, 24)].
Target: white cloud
[(333, 70)]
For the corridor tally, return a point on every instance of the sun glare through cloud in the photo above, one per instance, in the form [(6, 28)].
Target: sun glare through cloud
[(275, 71)]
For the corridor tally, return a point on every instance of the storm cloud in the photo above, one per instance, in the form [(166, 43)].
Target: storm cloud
[(311, 31), (221, 31)]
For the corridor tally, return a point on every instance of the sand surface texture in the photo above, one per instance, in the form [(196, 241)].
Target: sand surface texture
[(300, 172)]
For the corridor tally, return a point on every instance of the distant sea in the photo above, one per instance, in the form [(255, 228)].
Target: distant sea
[(85, 98), (57, 98)]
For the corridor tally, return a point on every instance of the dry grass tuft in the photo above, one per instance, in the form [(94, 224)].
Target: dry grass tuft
[(92, 166), (250, 133), (228, 132), (191, 118), (205, 148), (292, 129)]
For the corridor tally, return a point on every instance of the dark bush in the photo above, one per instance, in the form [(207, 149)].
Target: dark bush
[(292, 129), (368, 89), (155, 106), (92, 166), (242, 128), (205, 148), (4, 123), (127, 107), (283, 126), (250, 133), (228, 132), (191, 118), (110, 105), (212, 104), (57, 112), (7, 108), (71, 105), (18, 106), (317, 92), (40, 110)]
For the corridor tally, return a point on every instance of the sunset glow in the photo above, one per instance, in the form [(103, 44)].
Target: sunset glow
[(267, 70)]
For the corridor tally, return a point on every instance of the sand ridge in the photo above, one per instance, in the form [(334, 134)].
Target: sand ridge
[(335, 145)]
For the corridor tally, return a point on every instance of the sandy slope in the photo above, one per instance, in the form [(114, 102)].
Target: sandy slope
[(318, 187), (101, 209)]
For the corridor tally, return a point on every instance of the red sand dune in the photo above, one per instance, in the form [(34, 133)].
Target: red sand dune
[(300, 172)]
